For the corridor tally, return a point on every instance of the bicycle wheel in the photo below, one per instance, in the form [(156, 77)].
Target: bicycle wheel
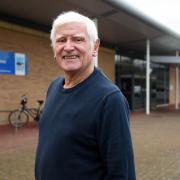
[(18, 118)]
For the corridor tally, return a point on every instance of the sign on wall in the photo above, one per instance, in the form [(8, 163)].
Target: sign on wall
[(13, 63)]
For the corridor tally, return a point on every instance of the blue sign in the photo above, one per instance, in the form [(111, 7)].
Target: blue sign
[(20, 64), (6, 62), (13, 63)]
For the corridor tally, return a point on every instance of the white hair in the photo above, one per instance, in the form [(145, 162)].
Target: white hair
[(71, 16)]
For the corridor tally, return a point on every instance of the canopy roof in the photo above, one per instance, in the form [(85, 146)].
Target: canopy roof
[(119, 25)]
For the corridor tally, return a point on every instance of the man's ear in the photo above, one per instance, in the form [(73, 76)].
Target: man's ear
[(96, 48)]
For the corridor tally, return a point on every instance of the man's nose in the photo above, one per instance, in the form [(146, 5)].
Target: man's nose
[(68, 46)]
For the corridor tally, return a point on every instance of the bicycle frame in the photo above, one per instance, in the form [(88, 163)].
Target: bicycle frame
[(30, 112), (33, 112)]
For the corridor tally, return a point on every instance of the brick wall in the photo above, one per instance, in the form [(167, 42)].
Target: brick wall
[(107, 63), (42, 68), (172, 85)]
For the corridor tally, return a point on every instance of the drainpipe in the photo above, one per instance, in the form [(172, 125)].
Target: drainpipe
[(147, 76), (177, 84)]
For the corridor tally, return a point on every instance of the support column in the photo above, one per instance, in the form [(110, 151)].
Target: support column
[(148, 77), (96, 58), (177, 84)]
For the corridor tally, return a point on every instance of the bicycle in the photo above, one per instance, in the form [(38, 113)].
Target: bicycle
[(20, 117)]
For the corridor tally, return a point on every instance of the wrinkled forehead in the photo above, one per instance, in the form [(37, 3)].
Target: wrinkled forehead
[(72, 28)]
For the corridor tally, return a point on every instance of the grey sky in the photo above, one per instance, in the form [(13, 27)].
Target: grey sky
[(165, 12)]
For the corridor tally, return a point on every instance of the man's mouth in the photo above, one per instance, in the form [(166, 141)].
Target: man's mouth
[(70, 57)]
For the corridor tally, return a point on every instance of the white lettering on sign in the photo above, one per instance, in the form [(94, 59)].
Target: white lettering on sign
[(2, 61)]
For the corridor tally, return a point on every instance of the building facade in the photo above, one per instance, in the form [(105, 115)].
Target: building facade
[(42, 68), (127, 72)]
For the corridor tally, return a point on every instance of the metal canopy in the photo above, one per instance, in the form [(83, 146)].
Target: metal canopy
[(166, 59), (118, 24)]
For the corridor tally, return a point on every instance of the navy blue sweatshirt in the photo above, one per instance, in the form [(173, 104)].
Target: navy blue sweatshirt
[(84, 133)]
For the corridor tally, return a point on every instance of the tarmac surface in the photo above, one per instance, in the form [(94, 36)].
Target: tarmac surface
[(156, 140)]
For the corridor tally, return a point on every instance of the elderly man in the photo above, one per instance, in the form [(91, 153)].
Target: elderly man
[(84, 130)]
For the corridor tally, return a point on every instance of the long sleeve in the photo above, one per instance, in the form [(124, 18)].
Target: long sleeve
[(115, 139)]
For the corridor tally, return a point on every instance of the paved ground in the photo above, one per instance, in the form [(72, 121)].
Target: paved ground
[(156, 140), (17, 152), (157, 145)]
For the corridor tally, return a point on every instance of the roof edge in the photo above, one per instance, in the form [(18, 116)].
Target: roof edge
[(125, 7)]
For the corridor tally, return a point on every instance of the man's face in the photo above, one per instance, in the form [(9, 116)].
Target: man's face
[(72, 48)]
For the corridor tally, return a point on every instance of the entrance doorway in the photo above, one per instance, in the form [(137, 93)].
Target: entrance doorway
[(131, 78)]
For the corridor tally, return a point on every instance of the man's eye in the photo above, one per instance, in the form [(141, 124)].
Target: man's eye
[(61, 40), (78, 39)]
